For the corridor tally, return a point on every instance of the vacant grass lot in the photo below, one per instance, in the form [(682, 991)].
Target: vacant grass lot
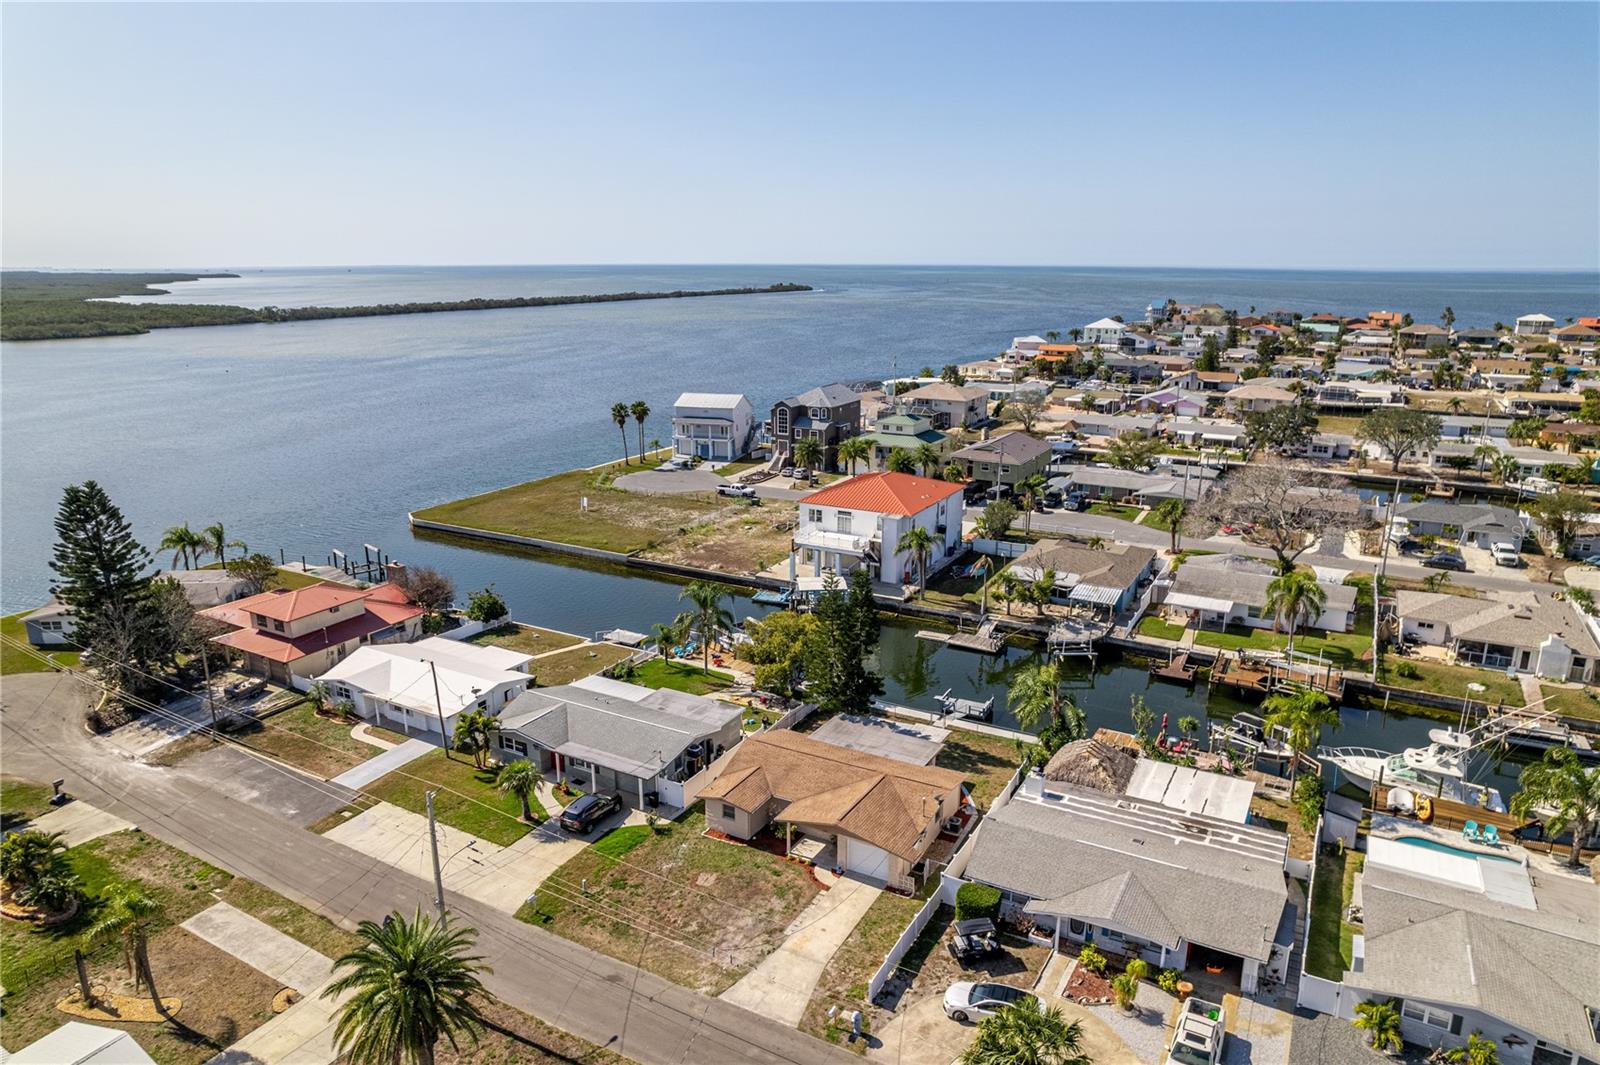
[(1442, 678), (551, 509), (22, 800), (1160, 629), (1328, 952), (987, 762), (222, 997), (564, 667), (738, 538), (528, 639), (467, 797), (698, 911), (295, 734), (1343, 649), (659, 673), (15, 660)]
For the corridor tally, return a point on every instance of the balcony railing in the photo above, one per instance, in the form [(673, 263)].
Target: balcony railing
[(821, 539)]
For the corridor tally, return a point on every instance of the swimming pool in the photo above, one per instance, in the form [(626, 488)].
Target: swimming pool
[(1444, 848)]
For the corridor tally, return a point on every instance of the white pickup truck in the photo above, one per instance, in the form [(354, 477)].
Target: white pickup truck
[(1198, 1035)]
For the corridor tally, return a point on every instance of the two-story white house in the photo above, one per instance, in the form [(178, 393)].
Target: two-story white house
[(1107, 332), (717, 426), (1534, 324), (859, 522)]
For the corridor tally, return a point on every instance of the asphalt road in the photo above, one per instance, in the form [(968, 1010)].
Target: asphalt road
[(603, 1000)]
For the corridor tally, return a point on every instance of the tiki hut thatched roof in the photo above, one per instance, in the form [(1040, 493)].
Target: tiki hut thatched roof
[(1091, 763)]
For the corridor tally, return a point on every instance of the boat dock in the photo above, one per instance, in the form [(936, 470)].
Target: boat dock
[(1178, 669), (984, 641), (1267, 675), (952, 721)]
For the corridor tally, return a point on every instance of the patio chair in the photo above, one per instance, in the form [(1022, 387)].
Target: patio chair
[(1469, 832), (1491, 835)]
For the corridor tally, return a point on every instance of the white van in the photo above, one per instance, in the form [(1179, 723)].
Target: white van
[(1505, 554)]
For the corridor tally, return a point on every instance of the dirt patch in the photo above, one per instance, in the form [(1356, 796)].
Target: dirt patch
[(988, 762), (223, 999), (514, 1038), (1085, 987), (737, 539)]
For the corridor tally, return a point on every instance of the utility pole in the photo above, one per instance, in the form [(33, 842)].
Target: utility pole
[(439, 706), (205, 664), (1378, 579), (433, 845)]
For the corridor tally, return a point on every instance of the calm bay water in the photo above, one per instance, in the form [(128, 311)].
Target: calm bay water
[(319, 435)]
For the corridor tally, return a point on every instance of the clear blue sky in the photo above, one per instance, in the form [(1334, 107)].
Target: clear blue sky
[(1339, 135)]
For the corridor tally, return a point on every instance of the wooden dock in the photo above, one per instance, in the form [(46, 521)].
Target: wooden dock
[(1178, 669), (985, 641), (1264, 677)]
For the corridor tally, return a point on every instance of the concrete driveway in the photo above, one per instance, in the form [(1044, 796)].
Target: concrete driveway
[(501, 877), (78, 822), (298, 798), (780, 987)]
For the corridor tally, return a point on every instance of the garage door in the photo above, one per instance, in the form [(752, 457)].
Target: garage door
[(866, 860)]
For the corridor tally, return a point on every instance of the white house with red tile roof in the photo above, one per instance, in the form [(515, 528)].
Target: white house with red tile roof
[(303, 631), (859, 522)]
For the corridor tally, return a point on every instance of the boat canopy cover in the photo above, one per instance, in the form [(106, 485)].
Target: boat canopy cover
[(1088, 593)]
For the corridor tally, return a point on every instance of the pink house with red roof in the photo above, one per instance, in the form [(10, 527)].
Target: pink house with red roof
[(305, 631)]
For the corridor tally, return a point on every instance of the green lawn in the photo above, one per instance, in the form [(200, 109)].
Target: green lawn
[(620, 841), (22, 800), (659, 673), (1328, 952), (1159, 628), (987, 762), (564, 667), (528, 639), (1343, 649), (551, 509), (1442, 678), (1115, 510), (298, 735), (286, 578), (698, 911), (15, 659), (467, 797), (1579, 702)]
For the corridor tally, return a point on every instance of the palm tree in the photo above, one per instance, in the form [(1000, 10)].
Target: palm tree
[(900, 461), (1035, 700), (1171, 512), (1076, 334), (474, 733), (1560, 785), (1381, 1022), (1188, 725), (217, 542), (640, 411), (1295, 598), (184, 543), (1053, 335), (1301, 715), (1027, 1033), (855, 449), (522, 779), (928, 456), (1478, 1051), (620, 415), (1030, 489), (1454, 405), (318, 695), (1125, 987), (808, 453), (412, 982), (919, 542), (709, 613), (1507, 468), (129, 915), (27, 856), (671, 633), (1096, 543), (1485, 453), (954, 472)]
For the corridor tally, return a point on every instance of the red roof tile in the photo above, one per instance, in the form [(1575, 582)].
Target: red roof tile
[(285, 649), (885, 493), (292, 604)]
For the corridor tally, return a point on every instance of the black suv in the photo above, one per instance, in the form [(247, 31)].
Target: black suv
[(1446, 560), (588, 811)]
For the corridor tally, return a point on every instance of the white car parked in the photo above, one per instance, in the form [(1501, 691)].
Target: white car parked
[(968, 1001), (742, 491), (1198, 1036)]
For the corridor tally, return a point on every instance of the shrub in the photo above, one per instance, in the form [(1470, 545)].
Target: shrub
[(1091, 959), (486, 606), (977, 900), (1408, 671), (1167, 981)]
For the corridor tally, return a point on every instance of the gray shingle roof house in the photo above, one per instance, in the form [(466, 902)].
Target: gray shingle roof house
[(1009, 458), (1478, 523), (1521, 631), (1138, 878), (1494, 949), (1106, 576), (604, 735), (1232, 590)]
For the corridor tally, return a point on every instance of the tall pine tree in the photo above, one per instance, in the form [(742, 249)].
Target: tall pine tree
[(845, 632), (99, 569)]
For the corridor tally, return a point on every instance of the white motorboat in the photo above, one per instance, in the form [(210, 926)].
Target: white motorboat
[(1439, 769)]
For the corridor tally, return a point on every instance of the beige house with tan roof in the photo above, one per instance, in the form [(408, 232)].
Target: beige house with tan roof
[(881, 814)]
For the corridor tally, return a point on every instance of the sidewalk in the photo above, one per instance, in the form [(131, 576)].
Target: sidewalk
[(383, 764)]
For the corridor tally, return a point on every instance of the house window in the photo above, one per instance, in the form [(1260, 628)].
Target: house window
[(278, 626), (511, 743), (780, 422), (333, 609), (342, 692), (1431, 1016), (51, 626), (728, 812), (842, 519), (814, 515)]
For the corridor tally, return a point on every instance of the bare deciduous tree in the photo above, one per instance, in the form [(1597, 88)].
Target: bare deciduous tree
[(1288, 507)]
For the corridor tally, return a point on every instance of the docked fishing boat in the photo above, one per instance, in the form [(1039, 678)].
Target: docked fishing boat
[(1247, 736), (1440, 769)]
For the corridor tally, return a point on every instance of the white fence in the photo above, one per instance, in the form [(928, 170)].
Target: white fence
[(1003, 548), (1315, 992), (919, 921), (468, 629), (680, 795), (795, 716)]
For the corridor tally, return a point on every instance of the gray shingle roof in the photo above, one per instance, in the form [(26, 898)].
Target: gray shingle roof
[(1240, 579), (1470, 516), (1116, 566), (1533, 968), (835, 395), (1149, 871), (1013, 448), (640, 738)]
